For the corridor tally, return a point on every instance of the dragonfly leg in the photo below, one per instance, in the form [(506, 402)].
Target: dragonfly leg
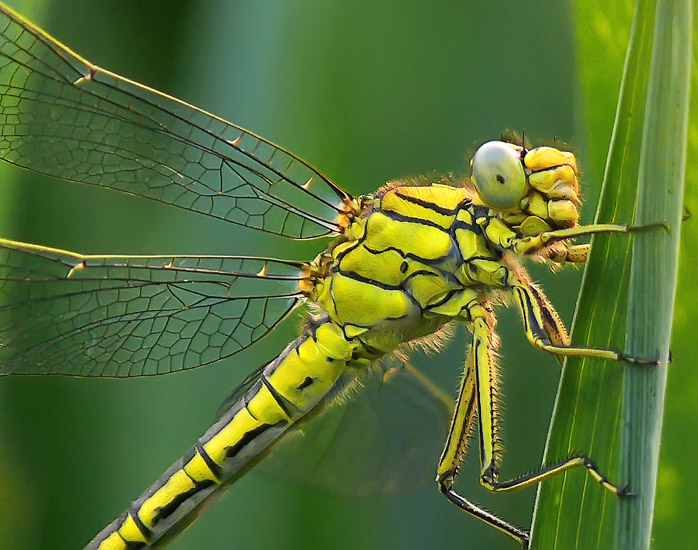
[(473, 380), (489, 477), (532, 243), (575, 254), (510, 529), (490, 445), (578, 253), (541, 323)]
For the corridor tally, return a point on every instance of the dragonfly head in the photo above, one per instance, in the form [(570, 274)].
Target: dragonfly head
[(534, 190)]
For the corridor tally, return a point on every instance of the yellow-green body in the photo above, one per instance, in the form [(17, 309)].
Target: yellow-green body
[(404, 262), (415, 258), (403, 270)]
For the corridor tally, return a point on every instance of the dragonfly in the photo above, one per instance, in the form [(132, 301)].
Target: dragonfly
[(399, 267)]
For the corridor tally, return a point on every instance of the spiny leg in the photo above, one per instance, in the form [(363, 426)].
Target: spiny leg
[(490, 447), (490, 478), (537, 313), (462, 424), (573, 254), (478, 391), (579, 253), (530, 244)]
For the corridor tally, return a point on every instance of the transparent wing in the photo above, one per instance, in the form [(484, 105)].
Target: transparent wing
[(384, 436), (62, 116), (122, 316)]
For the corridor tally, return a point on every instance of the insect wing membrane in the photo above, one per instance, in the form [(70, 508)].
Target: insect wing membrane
[(383, 436), (67, 118), (123, 316)]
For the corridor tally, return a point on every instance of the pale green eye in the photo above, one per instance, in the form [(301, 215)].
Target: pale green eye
[(498, 174)]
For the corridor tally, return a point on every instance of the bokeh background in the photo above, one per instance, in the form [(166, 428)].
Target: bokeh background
[(366, 91)]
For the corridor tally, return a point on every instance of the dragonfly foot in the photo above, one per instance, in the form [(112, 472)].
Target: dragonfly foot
[(640, 360), (626, 492), (648, 226)]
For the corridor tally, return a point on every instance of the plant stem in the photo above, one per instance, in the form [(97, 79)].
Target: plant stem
[(654, 267)]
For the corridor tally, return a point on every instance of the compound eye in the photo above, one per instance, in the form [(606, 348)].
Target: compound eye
[(498, 174)]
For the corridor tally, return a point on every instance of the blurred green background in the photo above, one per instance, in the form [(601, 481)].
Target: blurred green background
[(366, 92)]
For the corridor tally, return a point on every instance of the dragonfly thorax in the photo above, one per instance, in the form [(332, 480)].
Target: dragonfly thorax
[(415, 262)]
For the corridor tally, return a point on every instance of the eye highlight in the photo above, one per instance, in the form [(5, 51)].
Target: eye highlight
[(498, 174)]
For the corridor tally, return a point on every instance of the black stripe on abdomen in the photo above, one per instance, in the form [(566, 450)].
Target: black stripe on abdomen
[(246, 438)]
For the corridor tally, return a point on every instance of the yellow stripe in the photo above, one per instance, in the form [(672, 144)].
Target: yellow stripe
[(437, 200), (199, 470), (366, 304), (130, 532), (307, 364), (150, 509), (113, 542), (262, 406), (424, 241)]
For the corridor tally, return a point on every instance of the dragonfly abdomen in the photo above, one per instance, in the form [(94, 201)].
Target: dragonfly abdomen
[(309, 370)]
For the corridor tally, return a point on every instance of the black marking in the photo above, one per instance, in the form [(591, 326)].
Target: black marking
[(443, 300), (425, 273), (118, 534), (357, 243), (280, 401), (383, 286), (404, 266), (525, 313), (293, 346), (114, 528), (500, 179), (481, 432), (244, 404), (462, 224), (171, 507), (362, 279), (480, 257), (212, 465), (246, 438), (548, 317), (409, 219), (406, 255), (386, 286), (395, 217), (469, 411), (307, 382), (369, 349), (473, 509), (534, 327), (133, 514), (432, 206), (479, 212), (400, 318), (134, 545), (191, 453)]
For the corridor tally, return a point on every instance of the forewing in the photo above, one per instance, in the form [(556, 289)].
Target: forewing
[(384, 436), (62, 116), (123, 316)]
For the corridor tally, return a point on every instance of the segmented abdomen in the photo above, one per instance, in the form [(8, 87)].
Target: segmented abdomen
[(305, 373)]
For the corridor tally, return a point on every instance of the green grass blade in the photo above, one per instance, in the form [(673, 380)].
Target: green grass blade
[(572, 511), (654, 266)]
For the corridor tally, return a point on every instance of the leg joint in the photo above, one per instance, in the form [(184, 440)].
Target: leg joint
[(488, 478)]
